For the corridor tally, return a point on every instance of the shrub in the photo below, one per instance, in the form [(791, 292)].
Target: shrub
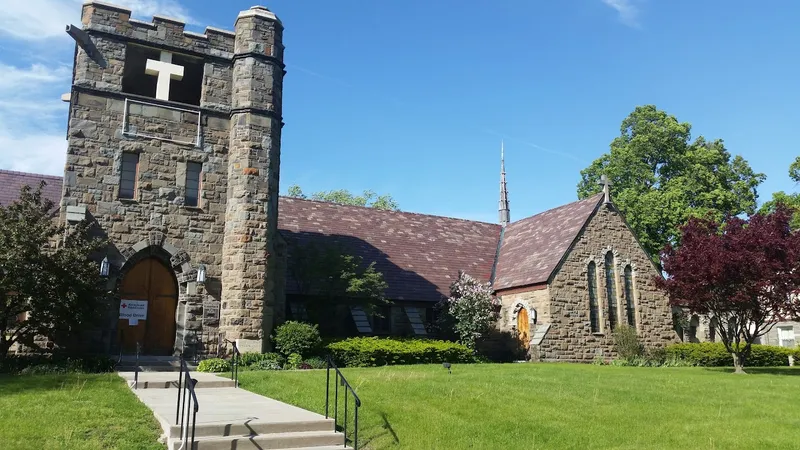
[(266, 364), (215, 365), (316, 363), (252, 358), (714, 354), (374, 351), (626, 342), (293, 361), (470, 310), (297, 337)]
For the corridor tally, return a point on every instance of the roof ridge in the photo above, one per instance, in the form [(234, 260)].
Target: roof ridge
[(388, 211), (557, 207), (42, 175)]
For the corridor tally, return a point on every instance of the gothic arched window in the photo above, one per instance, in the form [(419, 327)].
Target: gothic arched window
[(630, 306), (611, 290), (594, 310)]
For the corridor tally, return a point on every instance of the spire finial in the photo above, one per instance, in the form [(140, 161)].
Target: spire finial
[(505, 213), (606, 187)]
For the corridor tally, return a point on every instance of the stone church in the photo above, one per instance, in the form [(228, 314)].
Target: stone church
[(174, 144)]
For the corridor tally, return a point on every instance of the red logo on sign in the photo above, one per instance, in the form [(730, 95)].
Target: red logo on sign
[(124, 305)]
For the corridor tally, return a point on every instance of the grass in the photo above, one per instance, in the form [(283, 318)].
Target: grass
[(570, 406), (73, 411)]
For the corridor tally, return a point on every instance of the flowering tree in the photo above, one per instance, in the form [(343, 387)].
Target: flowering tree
[(470, 309), (743, 273)]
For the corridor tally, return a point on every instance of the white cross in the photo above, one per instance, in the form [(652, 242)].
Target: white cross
[(606, 187), (165, 71)]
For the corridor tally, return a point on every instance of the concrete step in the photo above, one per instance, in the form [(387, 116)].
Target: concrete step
[(250, 428), (168, 380), (293, 440)]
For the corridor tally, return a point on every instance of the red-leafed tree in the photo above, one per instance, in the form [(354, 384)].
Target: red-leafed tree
[(743, 273)]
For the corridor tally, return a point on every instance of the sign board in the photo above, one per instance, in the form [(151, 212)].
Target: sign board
[(133, 310)]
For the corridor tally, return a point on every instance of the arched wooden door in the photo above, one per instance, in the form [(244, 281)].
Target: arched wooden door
[(154, 282), (524, 328)]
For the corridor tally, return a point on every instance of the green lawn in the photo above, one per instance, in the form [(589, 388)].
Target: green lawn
[(531, 406), (73, 412)]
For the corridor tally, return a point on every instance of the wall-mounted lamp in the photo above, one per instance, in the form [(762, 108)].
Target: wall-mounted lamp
[(201, 274), (104, 267)]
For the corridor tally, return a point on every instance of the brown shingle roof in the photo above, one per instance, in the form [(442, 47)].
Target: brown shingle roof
[(532, 248), (11, 182), (419, 255)]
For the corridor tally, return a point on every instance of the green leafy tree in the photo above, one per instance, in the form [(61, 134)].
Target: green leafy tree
[(326, 276), (49, 284), (342, 196), (791, 201), (660, 178)]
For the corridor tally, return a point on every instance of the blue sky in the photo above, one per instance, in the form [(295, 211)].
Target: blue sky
[(413, 97)]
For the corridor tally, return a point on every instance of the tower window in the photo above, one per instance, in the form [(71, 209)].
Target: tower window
[(194, 172), (128, 174)]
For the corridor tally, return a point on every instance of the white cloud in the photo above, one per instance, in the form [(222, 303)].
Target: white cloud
[(14, 78), (627, 9), (37, 20), (37, 153)]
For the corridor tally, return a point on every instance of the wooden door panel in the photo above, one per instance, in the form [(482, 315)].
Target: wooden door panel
[(524, 327), (150, 280)]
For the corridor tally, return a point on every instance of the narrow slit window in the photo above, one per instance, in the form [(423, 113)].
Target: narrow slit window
[(611, 290), (594, 310), (194, 171), (630, 305), (128, 175)]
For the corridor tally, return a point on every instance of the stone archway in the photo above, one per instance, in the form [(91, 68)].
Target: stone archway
[(178, 262)]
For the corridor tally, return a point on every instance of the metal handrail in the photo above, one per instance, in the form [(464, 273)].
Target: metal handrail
[(235, 360), (136, 367), (340, 380), (185, 388)]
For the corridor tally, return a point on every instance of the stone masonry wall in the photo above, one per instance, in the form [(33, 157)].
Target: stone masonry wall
[(252, 253), (570, 337), (538, 300), (157, 219)]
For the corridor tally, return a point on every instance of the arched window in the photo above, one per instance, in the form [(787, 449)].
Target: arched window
[(630, 306), (611, 290), (594, 312)]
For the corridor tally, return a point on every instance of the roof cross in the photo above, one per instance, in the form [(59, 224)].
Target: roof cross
[(606, 187)]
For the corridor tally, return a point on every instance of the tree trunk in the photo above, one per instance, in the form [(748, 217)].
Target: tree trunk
[(738, 363)]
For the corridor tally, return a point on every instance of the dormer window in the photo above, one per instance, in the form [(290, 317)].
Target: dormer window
[(162, 75)]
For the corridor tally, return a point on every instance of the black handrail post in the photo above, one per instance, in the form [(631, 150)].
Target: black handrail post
[(327, 385), (345, 414), (336, 401), (180, 390), (355, 426), (136, 369), (235, 363)]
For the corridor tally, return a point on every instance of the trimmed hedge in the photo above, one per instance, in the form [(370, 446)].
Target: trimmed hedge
[(713, 354), (375, 351)]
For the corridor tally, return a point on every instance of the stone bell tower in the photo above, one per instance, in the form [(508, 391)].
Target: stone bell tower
[(249, 257), (174, 149)]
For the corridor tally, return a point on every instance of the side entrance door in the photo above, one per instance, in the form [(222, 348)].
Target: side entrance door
[(524, 328), (152, 281)]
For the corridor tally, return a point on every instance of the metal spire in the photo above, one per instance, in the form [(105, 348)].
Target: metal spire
[(505, 212)]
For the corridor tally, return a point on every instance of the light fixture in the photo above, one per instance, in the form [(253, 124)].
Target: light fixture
[(104, 266), (201, 274)]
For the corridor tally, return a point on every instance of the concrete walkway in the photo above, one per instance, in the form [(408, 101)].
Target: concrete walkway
[(233, 418)]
